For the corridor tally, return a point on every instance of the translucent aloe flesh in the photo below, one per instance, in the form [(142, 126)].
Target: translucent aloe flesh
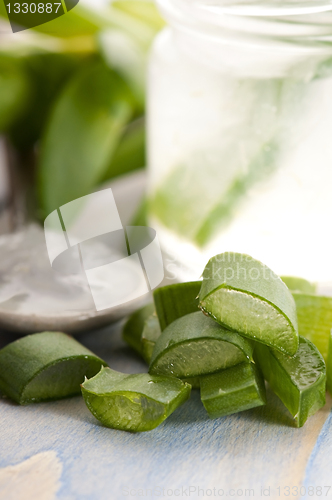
[(45, 366), (174, 301), (150, 335), (299, 380), (133, 328), (133, 403), (244, 295), (233, 390), (195, 345)]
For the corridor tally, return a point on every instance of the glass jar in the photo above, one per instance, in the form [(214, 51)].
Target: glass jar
[(240, 133)]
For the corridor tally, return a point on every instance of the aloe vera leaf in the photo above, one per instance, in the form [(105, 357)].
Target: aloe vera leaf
[(244, 295), (233, 390), (195, 345), (314, 315), (130, 153), (299, 380), (133, 328), (82, 134), (133, 403), (174, 301), (299, 284), (151, 333), (45, 366)]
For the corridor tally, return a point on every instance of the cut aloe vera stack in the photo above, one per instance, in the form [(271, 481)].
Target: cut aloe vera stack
[(195, 345), (174, 301), (133, 328), (244, 295), (301, 285), (150, 335), (133, 402), (233, 390), (299, 380), (45, 366)]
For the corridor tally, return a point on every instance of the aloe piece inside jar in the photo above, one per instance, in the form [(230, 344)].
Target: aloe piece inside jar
[(299, 380), (133, 403), (233, 390), (195, 345)]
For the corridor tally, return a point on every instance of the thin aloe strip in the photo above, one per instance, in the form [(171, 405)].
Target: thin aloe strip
[(45, 366), (244, 295), (133, 328), (233, 390), (174, 301), (133, 403), (151, 333), (299, 380), (195, 345)]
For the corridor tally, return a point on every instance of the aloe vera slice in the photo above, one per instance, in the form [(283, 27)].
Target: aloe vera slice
[(45, 366), (233, 390), (314, 315), (177, 300), (296, 284), (195, 345), (244, 295), (299, 380), (133, 402), (133, 328), (150, 335)]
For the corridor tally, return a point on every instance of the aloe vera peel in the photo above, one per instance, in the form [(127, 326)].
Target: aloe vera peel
[(133, 403), (177, 300), (299, 380), (195, 345), (133, 328), (244, 295), (233, 390), (151, 333), (45, 366)]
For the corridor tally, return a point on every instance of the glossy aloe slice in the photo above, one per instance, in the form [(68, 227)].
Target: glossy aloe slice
[(133, 402), (45, 366), (195, 345), (296, 284), (299, 380), (314, 315), (233, 390), (133, 328), (150, 335), (244, 295), (177, 300)]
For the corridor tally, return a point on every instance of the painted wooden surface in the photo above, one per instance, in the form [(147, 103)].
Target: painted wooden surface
[(59, 451)]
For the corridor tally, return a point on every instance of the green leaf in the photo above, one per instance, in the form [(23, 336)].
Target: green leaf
[(195, 345), (82, 134), (244, 295), (233, 390), (45, 366), (299, 380), (174, 301), (130, 153), (133, 328), (133, 403)]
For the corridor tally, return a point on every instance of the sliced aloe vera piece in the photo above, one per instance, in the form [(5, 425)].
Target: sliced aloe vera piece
[(314, 315), (174, 301), (299, 380), (195, 345), (133, 402), (150, 335), (244, 295), (133, 328), (298, 284), (45, 366), (233, 390)]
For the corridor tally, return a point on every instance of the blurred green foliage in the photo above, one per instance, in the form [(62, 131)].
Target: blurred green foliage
[(72, 92)]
